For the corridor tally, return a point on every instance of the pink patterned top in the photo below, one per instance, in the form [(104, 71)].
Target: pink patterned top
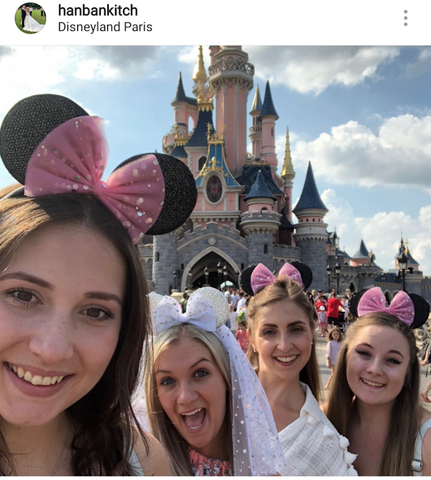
[(208, 467)]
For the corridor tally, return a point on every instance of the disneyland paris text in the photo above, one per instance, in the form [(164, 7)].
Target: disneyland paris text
[(100, 26)]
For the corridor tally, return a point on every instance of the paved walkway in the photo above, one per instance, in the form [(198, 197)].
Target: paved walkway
[(325, 372)]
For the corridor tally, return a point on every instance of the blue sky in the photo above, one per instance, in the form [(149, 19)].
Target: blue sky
[(361, 115)]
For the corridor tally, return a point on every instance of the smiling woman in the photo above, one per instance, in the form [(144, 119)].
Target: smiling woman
[(73, 308), (375, 397)]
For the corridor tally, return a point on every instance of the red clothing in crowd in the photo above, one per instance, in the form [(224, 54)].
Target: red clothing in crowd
[(333, 307)]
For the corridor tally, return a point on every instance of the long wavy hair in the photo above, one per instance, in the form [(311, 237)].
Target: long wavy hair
[(103, 420), (398, 450), (282, 289), (161, 426)]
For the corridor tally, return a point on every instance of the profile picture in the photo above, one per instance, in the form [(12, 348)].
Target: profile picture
[(30, 17)]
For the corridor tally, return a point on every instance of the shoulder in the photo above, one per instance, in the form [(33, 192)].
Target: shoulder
[(156, 462), (426, 446)]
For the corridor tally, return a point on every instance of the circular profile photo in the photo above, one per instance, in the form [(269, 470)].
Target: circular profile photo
[(30, 17)]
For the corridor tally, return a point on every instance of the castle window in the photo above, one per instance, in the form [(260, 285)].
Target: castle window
[(306, 219), (272, 132), (157, 257), (201, 162), (265, 248), (314, 220), (214, 189), (242, 266)]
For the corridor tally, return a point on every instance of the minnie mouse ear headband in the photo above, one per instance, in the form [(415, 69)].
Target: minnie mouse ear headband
[(51, 145), (256, 447), (256, 277), (409, 308)]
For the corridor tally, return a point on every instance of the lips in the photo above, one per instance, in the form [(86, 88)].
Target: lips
[(286, 360), (33, 378), (372, 384), (194, 419)]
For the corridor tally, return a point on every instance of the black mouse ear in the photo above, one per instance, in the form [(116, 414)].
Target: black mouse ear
[(245, 279), (27, 123), (354, 300), (180, 193), (306, 273), (422, 310)]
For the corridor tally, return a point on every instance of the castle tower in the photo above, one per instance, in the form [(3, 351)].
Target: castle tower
[(260, 223), (361, 256), (256, 129), (311, 233), (231, 77), (288, 174), (268, 117), (165, 262)]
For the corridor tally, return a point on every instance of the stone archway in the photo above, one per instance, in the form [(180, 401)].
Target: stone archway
[(210, 258)]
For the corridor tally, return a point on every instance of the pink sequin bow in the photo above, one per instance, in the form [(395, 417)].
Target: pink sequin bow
[(73, 157), (261, 276), (373, 300), (200, 313)]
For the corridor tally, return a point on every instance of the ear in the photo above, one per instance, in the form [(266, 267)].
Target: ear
[(250, 339)]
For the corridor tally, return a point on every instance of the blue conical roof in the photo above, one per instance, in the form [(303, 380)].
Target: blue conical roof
[(180, 94), (199, 136), (362, 251), (259, 189), (310, 197), (178, 152), (268, 105)]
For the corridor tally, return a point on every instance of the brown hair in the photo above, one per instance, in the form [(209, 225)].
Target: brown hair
[(398, 450), (330, 337), (283, 289), (104, 434), (161, 426)]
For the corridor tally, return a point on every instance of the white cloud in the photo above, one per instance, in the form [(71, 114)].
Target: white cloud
[(313, 69), (189, 55), (381, 232), (399, 155)]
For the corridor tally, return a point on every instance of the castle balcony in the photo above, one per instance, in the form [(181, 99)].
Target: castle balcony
[(256, 129)]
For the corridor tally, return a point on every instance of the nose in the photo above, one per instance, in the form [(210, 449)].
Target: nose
[(187, 393), (52, 338), (375, 366), (284, 342)]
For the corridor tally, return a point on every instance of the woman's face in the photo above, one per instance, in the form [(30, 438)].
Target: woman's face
[(60, 315), (377, 363), (283, 339), (192, 392)]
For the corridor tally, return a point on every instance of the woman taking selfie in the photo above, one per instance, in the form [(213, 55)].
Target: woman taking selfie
[(375, 394), (204, 401), (73, 309), (281, 328)]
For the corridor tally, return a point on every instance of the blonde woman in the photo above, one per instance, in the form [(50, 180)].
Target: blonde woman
[(204, 401)]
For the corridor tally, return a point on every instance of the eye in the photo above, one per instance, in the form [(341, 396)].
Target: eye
[(297, 329), (166, 382), (268, 332), (23, 297), (201, 373), (98, 314), (394, 361), (363, 353)]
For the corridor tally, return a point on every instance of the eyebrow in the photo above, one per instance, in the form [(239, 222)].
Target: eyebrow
[(273, 325), (203, 359), (389, 351), (43, 283)]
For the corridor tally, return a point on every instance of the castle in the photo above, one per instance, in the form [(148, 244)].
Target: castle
[(244, 211)]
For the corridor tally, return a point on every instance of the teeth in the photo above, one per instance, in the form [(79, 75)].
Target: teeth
[(286, 359), (38, 379), (373, 384), (192, 413)]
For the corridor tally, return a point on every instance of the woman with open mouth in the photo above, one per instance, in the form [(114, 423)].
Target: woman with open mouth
[(281, 328), (204, 401), (73, 307), (374, 400)]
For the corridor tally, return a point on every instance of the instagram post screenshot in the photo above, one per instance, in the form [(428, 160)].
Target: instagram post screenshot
[(215, 238)]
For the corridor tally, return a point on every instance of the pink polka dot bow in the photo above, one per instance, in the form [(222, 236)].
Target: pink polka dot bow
[(73, 157), (262, 276), (373, 300)]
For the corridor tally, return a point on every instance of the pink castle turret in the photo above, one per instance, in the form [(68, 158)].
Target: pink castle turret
[(256, 128), (268, 117)]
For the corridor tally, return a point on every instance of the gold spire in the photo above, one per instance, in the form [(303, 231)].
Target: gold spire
[(200, 74), (287, 166)]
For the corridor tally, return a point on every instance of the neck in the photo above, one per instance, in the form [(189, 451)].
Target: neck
[(378, 416), (286, 392), (40, 450)]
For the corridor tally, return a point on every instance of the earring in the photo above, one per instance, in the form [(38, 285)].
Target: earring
[(311, 343)]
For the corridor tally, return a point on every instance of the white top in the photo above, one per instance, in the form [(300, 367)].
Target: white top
[(241, 304), (312, 446), (233, 321), (417, 463)]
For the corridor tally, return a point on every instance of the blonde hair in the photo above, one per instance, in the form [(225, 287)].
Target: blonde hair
[(283, 289), (160, 424), (398, 451)]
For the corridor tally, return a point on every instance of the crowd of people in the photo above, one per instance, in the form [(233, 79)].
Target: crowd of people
[(225, 383)]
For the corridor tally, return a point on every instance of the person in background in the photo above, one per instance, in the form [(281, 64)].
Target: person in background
[(241, 333), (233, 320), (183, 302), (323, 322), (334, 306), (241, 302), (333, 347)]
